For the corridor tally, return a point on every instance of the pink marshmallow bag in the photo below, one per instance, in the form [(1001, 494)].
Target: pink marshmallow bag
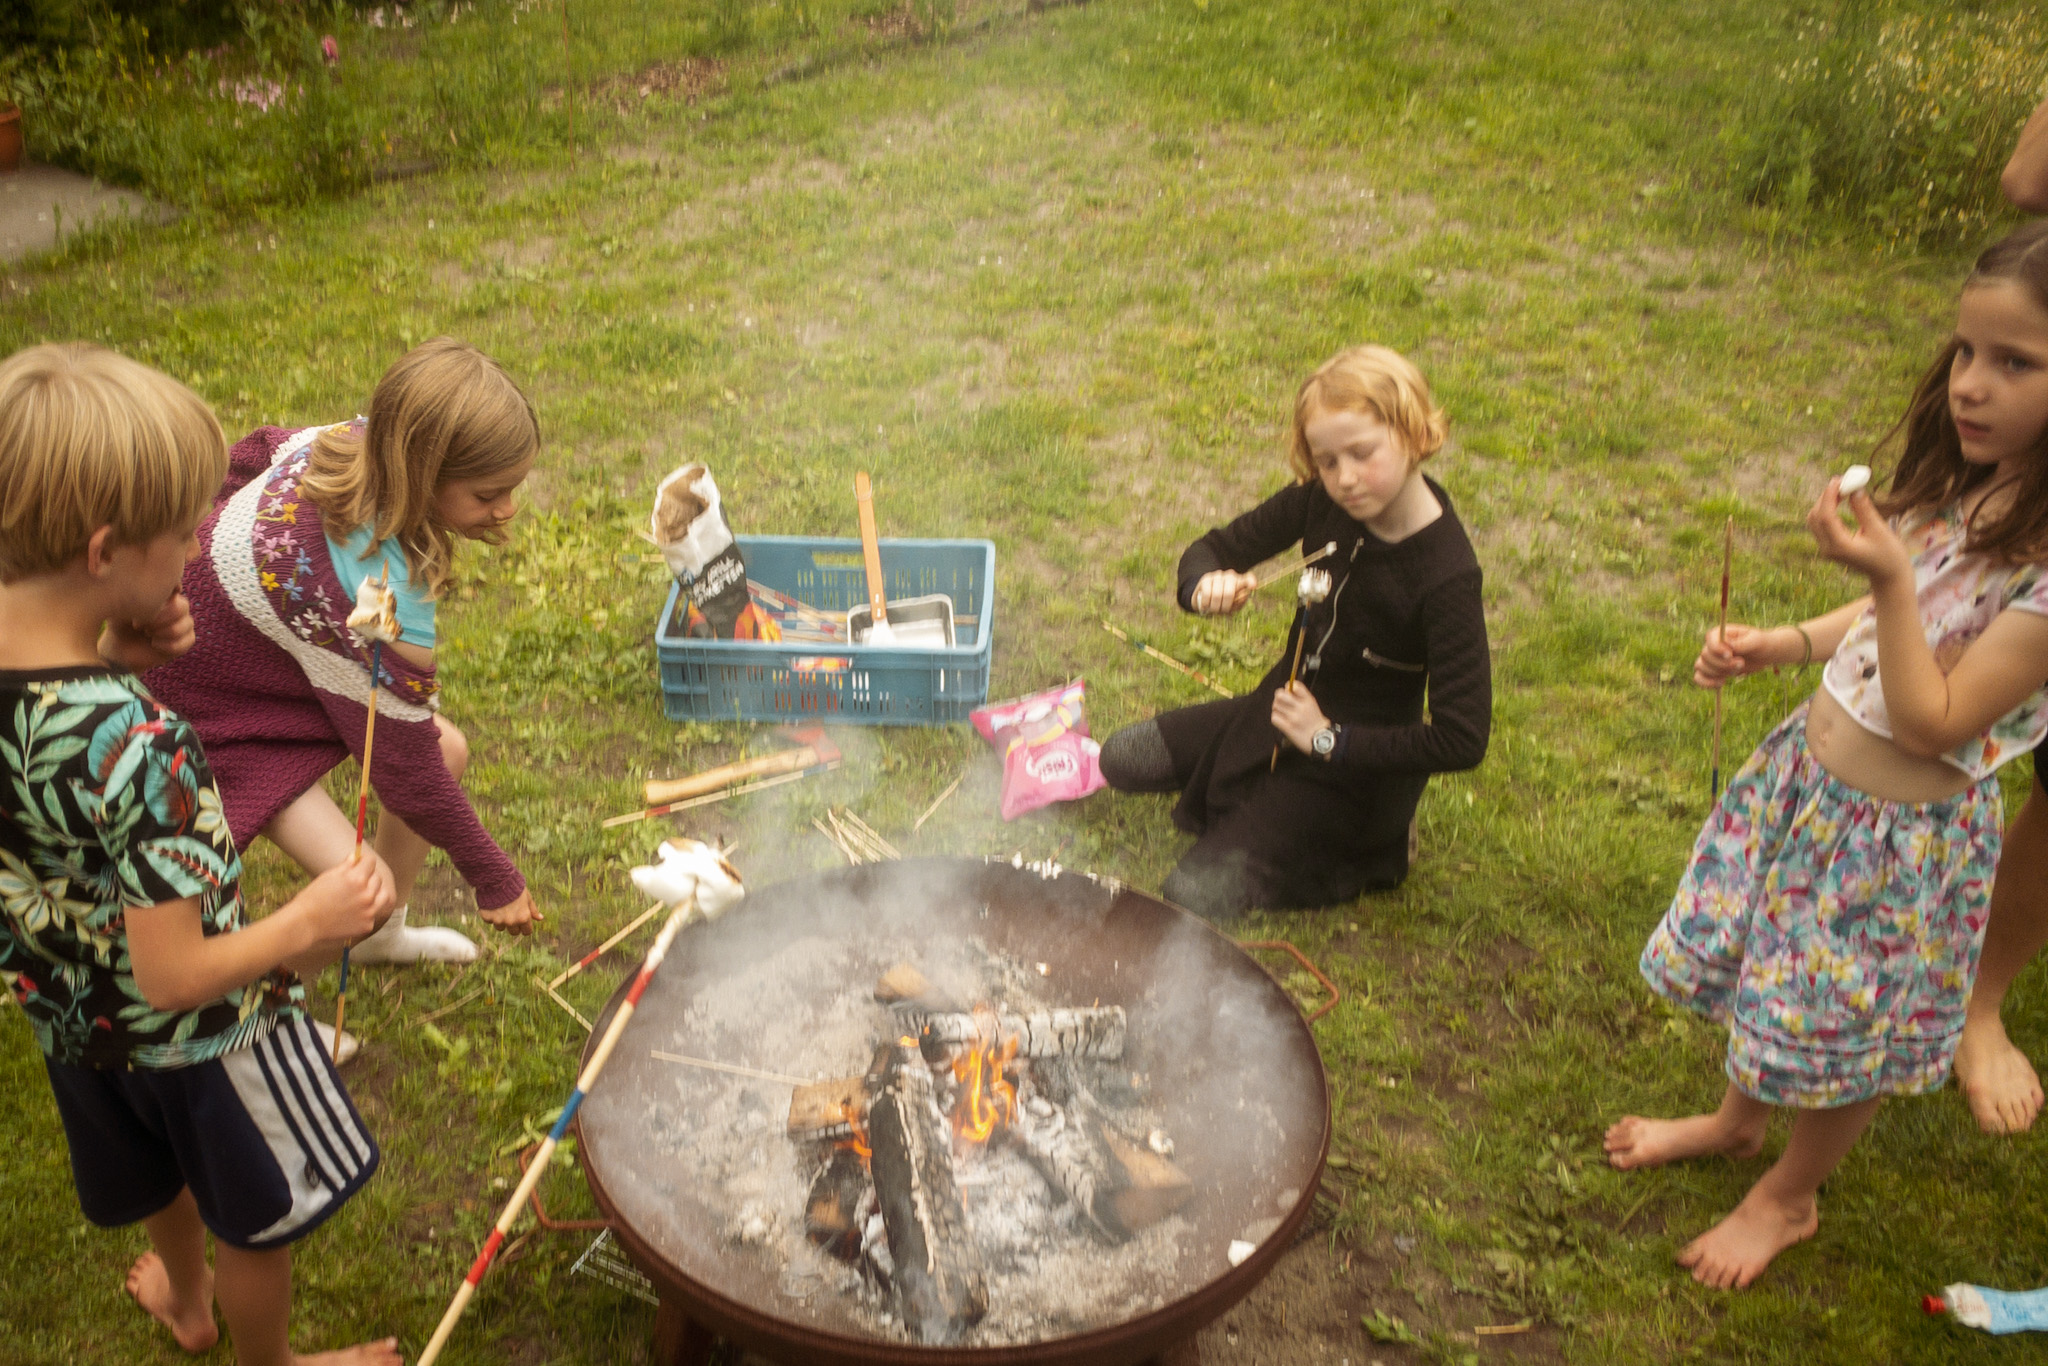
[(1047, 754)]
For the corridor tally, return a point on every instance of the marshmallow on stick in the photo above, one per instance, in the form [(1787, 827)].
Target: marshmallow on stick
[(375, 620)]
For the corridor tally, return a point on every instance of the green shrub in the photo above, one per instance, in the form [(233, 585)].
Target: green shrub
[(1897, 123)]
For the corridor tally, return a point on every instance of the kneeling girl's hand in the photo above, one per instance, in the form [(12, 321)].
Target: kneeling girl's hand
[(518, 916), (1297, 715), (1222, 591)]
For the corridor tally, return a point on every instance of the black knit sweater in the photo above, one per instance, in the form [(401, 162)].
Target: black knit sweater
[(1402, 620)]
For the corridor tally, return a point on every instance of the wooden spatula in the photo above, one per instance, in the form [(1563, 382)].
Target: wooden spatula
[(880, 633)]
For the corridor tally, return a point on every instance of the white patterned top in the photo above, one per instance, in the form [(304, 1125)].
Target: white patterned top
[(1959, 596)]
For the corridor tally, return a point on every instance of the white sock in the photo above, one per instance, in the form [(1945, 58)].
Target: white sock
[(396, 943), (349, 1043)]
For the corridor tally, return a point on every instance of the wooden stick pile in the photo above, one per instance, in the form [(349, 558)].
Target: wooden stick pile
[(855, 837)]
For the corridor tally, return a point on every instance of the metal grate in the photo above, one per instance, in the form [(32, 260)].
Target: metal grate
[(603, 1261)]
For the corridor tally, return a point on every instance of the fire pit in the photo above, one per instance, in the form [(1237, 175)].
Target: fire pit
[(1150, 1032)]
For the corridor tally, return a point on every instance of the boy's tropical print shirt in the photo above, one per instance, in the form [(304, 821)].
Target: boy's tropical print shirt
[(106, 803)]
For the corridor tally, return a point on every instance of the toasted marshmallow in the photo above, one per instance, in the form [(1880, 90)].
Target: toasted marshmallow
[(690, 872), (376, 614)]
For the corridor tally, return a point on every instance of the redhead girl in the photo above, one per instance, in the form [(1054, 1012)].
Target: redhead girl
[(277, 686), (1835, 904), (1330, 818)]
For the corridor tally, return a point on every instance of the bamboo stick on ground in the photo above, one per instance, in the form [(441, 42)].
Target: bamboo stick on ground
[(1169, 661), (938, 802)]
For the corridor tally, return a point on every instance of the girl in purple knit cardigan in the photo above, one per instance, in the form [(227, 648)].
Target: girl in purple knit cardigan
[(277, 686)]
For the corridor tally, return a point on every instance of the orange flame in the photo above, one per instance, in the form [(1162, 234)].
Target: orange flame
[(987, 1098)]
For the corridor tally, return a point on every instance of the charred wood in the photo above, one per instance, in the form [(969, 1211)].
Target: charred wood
[(827, 1111), (833, 1213), (1121, 1186), (1088, 1032), (937, 1280)]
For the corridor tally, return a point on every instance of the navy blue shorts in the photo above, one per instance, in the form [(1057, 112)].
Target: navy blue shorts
[(265, 1137)]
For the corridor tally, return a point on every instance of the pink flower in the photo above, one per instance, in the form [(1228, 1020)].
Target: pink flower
[(330, 50)]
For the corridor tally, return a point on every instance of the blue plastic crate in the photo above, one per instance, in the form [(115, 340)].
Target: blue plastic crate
[(879, 685)]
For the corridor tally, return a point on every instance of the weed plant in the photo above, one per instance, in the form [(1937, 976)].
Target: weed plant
[(1897, 123)]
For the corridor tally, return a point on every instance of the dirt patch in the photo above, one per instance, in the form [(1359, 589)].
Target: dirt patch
[(1312, 1310), (688, 79)]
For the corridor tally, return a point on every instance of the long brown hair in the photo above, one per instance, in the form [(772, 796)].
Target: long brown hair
[(443, 411), (1931, 472)]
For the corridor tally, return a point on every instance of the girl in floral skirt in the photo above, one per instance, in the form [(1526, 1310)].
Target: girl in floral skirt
[(1835, 903)]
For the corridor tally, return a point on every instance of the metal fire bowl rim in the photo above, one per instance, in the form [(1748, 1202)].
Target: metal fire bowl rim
[(1131, 1340)]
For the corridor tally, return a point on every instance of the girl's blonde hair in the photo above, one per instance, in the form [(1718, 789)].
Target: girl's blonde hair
[(90, 438), (443, 411), (1368, 379)]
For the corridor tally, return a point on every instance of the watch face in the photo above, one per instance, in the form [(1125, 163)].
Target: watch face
[(1324, 741)]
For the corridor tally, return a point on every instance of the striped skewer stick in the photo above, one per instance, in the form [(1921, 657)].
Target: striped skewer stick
[(606, 947), (538, 1167), (362, 814), (1727, 565), (1168, 660)]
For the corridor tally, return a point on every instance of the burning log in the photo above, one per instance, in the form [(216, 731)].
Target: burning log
[(833, 1215), (1119, 1185), (1089, 1032), (938, 1284), (905, 987), (825, 1111)]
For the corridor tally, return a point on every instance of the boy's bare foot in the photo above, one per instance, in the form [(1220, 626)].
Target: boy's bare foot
[(383, 1353), (1735, 1251), (1996, 1078), (1633, 1141), (191, 1324)]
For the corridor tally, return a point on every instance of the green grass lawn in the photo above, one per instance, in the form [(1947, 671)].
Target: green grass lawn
[(1053, 280)]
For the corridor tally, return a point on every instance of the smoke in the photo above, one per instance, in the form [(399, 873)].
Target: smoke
[(697, 1161)]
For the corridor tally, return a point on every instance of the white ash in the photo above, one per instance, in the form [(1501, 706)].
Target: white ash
[(1049, 1274)]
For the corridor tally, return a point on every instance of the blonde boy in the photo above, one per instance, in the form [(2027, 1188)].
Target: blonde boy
[(193, 1092)]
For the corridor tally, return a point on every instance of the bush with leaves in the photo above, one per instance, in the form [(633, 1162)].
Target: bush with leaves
[(1896, 123)]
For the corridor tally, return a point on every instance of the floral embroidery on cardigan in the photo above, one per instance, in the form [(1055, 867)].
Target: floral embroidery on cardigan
[(291, 580)]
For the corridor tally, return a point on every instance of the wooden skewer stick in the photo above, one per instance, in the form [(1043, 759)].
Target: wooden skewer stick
[(1293, 567), (1169, 661), (658, 791), (606, 947), (1293, 672), (742, 790), (1720, 693), (868, 835), (362, 815), (562, 1001), (711, 1066), (938, 802), (538, 1167)]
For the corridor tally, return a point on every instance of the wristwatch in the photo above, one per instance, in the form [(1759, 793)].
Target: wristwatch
[(1324, 742)]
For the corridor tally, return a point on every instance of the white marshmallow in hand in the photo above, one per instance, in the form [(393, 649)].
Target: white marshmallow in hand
[(376, 616), (1855, 479), (691, 873)]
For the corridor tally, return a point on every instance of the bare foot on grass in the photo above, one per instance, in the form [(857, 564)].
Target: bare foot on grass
[(384, 1353), (1735, 1251), (191, 1324), (1633, 1141), (1996, 1079)]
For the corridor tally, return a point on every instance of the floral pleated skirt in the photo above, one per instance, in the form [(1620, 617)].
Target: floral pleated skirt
[(1836, 935)]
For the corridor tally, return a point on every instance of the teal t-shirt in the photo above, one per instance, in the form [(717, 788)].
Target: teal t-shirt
[(415, 609)]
